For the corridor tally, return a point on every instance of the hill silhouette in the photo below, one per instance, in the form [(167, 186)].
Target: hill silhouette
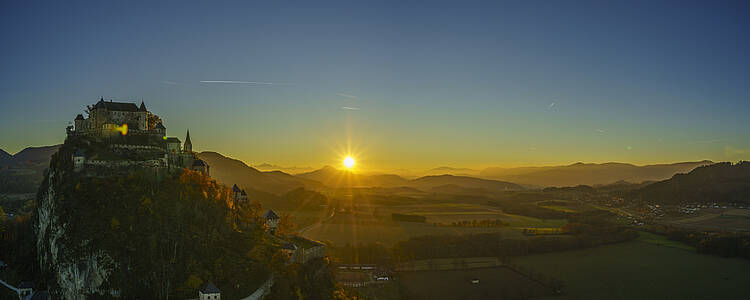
[(290, 170), (430, 182), (722, 183), (589, 173), (33, 158), (451, 171), (231, 171), (336, 178), (4, 155), (23, 172)]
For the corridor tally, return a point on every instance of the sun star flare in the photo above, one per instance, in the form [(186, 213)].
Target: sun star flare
[(349, 162)]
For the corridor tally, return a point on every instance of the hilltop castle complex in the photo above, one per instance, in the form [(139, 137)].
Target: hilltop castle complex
[(132, 136)]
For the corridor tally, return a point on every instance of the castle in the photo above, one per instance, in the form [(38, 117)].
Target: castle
[(134, 137)]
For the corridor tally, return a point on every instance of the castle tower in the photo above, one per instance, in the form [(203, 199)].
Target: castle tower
[(188, 146), (142, 117)]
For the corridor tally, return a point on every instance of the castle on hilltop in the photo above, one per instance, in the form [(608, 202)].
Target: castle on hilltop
[(133, 137)]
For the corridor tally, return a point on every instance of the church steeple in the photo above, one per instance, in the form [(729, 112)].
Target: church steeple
[(188, 146), (143, 106)]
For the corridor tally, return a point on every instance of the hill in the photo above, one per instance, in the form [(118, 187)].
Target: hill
[(231, 171), (23, 172), (334, 178), (290, 170), (32, 158), (722, 182), (589, 174), (451, 171), (4, 155), (431, 182)]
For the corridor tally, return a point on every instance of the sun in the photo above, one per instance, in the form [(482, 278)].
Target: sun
[(349, 162)]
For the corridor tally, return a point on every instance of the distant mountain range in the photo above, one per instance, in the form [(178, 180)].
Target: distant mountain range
[(589, 174), (291, 170), (231, 171), (31, 158), (4, 155), (34, 160), (24, 171), (452, 171), (335, 178)]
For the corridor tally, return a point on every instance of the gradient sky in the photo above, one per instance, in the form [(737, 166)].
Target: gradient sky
[(404, 85)]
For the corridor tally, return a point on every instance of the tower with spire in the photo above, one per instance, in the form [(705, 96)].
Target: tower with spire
[(188, 146)]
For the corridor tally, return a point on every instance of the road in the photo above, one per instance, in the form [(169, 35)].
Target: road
[(302, 231)]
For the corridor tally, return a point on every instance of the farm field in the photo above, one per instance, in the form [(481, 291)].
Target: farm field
[(449, 264), (370, 224), (643, 269), (494, 283), (456, 212), (366, 229), (725, 219)]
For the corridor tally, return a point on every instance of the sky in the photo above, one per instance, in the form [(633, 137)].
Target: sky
[(397, 85)]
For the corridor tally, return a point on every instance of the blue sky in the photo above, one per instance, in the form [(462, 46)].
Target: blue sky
[(432, 83)]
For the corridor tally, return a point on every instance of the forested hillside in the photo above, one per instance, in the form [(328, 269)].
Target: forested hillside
[(721, 182)]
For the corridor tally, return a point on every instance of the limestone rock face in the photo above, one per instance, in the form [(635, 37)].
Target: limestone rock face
[(77, 268)]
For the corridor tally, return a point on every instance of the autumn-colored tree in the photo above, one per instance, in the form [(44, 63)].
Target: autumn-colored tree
[(153, 120), (286, 225)]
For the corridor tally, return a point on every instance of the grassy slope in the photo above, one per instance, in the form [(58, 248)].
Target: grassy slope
[(641, 269)]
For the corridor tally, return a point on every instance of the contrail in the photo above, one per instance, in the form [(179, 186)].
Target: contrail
[(236, 82), (347, 96), (350, 108)]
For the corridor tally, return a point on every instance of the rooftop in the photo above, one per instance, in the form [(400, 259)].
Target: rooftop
[(116, 106), (271, 215), (210, 288)]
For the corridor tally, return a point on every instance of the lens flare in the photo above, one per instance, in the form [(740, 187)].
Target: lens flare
[(122, 129)]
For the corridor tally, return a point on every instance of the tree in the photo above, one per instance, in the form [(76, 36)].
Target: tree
[(286, 225), (153, 120)]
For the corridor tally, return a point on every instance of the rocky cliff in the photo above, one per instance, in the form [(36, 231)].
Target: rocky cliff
[(144, 233), (78, 269)]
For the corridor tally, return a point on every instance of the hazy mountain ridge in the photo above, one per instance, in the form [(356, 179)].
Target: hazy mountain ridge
[(589, 173), (23, 172), (4, 155), (35, 158), (290, 170), (335, 178), (231, 171), (451, 171)]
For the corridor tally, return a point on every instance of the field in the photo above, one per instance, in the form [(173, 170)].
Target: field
[(646, 268), (494, 283), (370, 224), (449, 264), (718, 219), (357, 229)]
